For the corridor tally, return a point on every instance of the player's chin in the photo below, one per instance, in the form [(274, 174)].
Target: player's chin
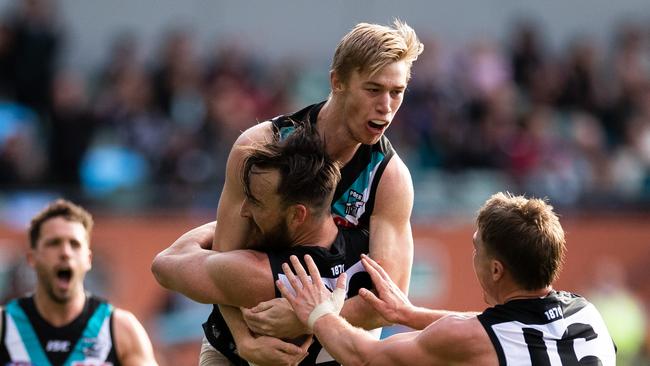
[(372, 140)]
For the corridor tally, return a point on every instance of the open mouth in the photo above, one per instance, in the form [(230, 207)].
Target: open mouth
[(377, 124), (64, 275)]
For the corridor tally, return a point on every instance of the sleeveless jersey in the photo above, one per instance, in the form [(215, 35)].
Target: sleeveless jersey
[(561, 329), (352, 206), (354, 198), (28, 339), (331, 263)]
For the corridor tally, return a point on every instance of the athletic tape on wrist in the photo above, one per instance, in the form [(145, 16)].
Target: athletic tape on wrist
[(333, 305)]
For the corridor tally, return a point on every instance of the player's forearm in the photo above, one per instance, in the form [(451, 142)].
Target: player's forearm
[(419, 318), (347, 344), (238, 328), (231, 234), (360, 314)]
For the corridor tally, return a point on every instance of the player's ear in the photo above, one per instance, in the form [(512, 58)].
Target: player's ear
[(497, 269), (336, 83), (297, 215), (30, 257)]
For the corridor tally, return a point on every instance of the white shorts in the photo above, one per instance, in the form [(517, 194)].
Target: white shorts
[(209, 356)]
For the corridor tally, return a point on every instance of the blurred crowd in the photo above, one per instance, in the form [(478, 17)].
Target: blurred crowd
[(570, 122)]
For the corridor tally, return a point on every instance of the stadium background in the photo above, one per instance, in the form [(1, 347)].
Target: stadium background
[(130, 107)]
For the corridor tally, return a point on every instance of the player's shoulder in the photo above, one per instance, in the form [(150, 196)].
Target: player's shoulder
[(456, 329), (396, 178), (397, 166), (260, 132), (122, 316), (132, 340), (460, 336), (125, 323)]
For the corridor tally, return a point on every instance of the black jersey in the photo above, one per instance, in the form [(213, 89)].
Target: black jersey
[(331, 263), (352, 206), (28, 339), (354, 198), (560, 329)]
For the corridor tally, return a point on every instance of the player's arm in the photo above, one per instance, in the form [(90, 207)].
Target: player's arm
[(454, 339), (393, 305), (232, 230), (391, 244), (232, 233), (391, 239), (188, 266), (263, 350), (450, 340), (133, 346)]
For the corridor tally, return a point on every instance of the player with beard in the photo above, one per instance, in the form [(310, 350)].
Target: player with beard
[(369, 74), (60, 323), (289, 186)]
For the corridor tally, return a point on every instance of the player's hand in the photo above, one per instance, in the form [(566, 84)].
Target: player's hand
[(392, 303), (264, 350), (274, 318), (308, 293), (202, 235)]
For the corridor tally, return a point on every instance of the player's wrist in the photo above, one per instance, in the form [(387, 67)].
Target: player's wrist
[(322, 321), (331, 305)]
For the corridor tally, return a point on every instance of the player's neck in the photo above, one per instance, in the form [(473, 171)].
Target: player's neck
[(526, 294), (321, 233), (56, 313), (339, 143)]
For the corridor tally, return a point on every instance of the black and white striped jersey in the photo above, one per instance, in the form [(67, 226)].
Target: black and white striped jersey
[(561, 329)]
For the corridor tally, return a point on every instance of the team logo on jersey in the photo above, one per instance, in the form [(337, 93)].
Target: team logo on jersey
[(56, 345), (92, 347), (354, 203)]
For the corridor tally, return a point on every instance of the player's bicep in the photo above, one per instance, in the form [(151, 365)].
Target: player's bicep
[(240, 278), (400, 349), (391, 239), (190, 275)]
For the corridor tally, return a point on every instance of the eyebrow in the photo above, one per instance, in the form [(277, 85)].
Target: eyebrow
[(379, 85), (252, 198)]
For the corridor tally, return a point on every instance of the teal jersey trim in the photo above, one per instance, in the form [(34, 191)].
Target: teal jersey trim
[(27, 334), (286, 131), (91, 331), (351, 205)]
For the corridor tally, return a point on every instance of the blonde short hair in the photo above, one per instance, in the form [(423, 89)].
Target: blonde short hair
[(370, 47)]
